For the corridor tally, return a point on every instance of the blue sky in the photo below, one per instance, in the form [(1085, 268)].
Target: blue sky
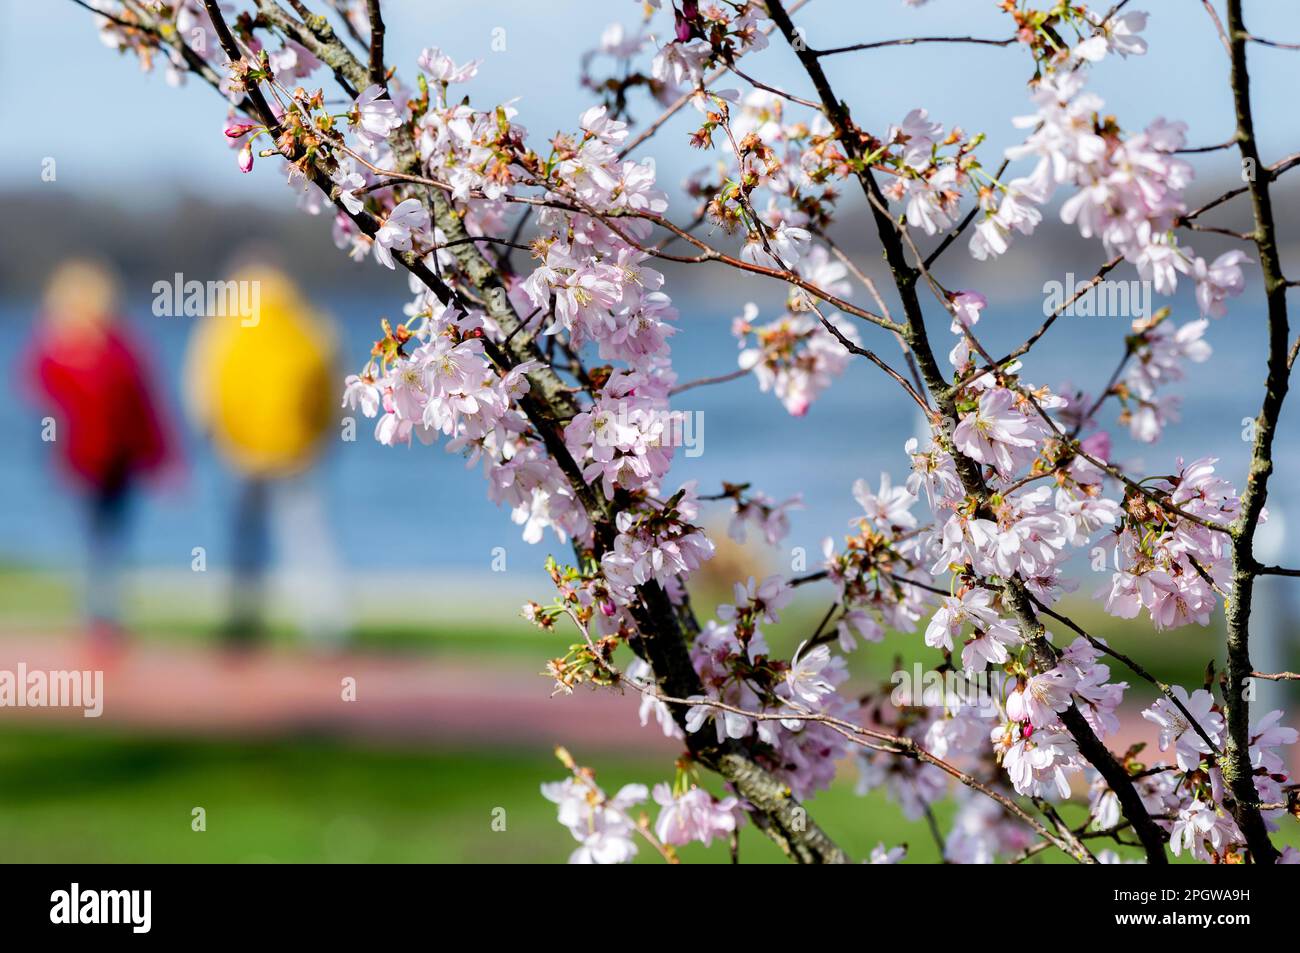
[(115, 130)]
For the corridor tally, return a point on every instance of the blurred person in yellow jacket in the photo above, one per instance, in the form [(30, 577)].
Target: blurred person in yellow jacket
[(261, 384)]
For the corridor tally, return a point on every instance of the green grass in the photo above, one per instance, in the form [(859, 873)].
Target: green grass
[(485, 640), (100, 797), (90, 797), (106, 798), (33, 599), (39, 596)]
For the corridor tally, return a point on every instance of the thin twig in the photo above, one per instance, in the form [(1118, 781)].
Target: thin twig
[(912, 41), (706, 381)]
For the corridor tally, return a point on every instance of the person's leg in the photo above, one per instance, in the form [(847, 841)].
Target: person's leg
[(107, 520), (249, 559), (308, 561)]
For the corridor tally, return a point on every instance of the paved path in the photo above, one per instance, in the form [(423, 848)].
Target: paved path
[(279, 692), (402, 699)]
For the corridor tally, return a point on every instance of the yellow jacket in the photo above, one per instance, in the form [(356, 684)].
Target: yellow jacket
[(262, 383)]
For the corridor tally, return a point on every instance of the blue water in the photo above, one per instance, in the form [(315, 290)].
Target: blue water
[(409, 508)]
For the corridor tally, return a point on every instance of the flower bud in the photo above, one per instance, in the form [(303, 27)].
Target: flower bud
[(246, 158), (683, 26), (236, 129)]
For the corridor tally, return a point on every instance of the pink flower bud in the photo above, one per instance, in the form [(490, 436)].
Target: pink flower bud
[(683, 26), (236, 129), (246, 158), (1026, 730)]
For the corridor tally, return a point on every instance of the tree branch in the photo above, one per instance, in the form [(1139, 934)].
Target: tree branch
[(905, 277), (1237, 769), (377, 71), (662, 641)]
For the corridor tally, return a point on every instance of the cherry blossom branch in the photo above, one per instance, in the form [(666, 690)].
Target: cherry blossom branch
[(1071, 442), (970, 216), (1082, 833), (857, 734), (1063, 828), (932, 823), (964, 224), (659, 629), (556, 403), (1111, 470), (1238, 771), (821, 634), (545, 377), (329, 49), (835, 332), (172, 39), (1219, 230), (708, 253), (663, 640), (1098, 644), (941, 295), (682, 100), (664, 644), (711, 254), (1277, 676), (487, 239), (253, 91), (1090, 746), (1134, 667), (642, 826), (1106, 392)]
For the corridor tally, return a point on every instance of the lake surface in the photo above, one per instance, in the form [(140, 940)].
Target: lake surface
[(420, 507)]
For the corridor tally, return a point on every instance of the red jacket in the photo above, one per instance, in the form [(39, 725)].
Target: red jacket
[(108, 427)]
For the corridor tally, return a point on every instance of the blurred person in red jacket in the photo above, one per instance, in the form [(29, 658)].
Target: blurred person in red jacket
[(108, 430)]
